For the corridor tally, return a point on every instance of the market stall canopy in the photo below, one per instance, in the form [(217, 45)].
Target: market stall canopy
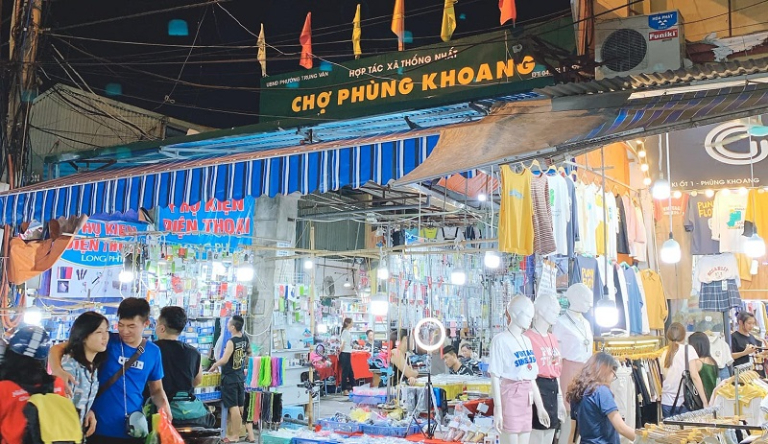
[(545, 128)]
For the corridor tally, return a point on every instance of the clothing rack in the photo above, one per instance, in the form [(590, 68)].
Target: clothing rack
[(688, 419), (737, 371)]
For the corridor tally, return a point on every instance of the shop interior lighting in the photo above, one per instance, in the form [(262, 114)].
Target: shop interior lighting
[(379, 304), (709, 193), (33, 316), (647, 181), (440, 339), (641, 153), (482, 197), (606, 313), (347, 284), (125, 276), (670, 251), (244, 273), (382, 272), (644, 167), (743, 191), (309, 264), (677, 194), (492, 260), (605, 308), (458, 276), (661, 190)]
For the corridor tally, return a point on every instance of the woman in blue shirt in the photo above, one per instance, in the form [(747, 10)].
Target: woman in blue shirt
[(592, 403)]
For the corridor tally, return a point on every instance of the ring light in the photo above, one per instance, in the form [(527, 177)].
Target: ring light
[(429, 347)]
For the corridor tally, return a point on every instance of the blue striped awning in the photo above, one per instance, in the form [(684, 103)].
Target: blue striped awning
[(308, 169)]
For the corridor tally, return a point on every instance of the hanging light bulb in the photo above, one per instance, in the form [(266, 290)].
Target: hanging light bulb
[(641, 153), (244, 273), (125, 276), (379, 304), (33, 316), (677, 194), (309, 264), (709, 193), (347, 284), (492, 260), (606, 313), (647, 181), (670, 252), (743, 191), (482, 197), (382, 272), (644, 167), (458, 276), (754, 246), (661, 189)]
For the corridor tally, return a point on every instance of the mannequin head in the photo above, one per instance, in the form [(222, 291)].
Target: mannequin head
[(547, 309), (580, 298), (520, 312)]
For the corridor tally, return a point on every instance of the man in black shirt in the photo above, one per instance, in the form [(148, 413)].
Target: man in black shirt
[(181, 361), (455, 367), (232, 365)]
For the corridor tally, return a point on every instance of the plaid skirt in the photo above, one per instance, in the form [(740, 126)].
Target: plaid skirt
[(713, 298)]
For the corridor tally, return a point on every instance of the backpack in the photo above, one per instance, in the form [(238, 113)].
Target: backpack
[(51, 418)]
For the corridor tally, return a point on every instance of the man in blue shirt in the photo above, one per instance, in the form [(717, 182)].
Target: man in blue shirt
[(125, 396)]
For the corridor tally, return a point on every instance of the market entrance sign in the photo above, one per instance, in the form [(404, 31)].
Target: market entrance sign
[(715, 156), (466, 69), (226, 223)]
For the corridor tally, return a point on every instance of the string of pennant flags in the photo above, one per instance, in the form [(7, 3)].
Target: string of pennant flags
[(507, 9)]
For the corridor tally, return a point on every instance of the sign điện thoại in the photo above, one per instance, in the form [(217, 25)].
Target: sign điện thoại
[(472, 68), (227, 223)]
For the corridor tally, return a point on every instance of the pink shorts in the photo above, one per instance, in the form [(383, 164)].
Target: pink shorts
[(517, 407)]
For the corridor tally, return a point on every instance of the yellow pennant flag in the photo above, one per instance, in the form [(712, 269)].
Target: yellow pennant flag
[(449, 20), (356, 34), (398, 23), (262, 54)]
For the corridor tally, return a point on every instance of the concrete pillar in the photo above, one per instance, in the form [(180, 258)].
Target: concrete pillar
[(274, 221)]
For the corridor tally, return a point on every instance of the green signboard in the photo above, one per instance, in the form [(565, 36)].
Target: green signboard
[(472, 68)]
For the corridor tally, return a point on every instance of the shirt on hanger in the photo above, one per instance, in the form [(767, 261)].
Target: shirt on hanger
[(698, 217), (622, 235), (635, 300), (560, 204), (719, 349), (585, 271), (644, 308), (512, 358), (639, 241), (676, 278), (728, 213), (757, 211), (547, 353), (543, 234), (607, 221), (656, 303), (516, 214), (573, 224), (590, 218), (715, 268)]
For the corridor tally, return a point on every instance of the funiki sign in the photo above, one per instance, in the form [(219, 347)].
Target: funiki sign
[(228, 222), (714, 156), (464, 69)]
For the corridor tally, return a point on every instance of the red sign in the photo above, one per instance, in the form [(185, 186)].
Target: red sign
[(663, 35)]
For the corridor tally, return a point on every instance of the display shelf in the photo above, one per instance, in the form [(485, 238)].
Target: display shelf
[(289, 350)]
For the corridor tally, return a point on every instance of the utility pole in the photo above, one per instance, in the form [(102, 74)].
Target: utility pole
[(22, 87)]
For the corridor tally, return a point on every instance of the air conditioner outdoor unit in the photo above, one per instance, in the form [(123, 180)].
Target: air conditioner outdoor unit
[(639, 44)]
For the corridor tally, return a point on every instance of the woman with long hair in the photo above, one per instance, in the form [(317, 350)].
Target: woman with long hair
[(673, 366), (82, 357), (345, 357), (399, 357), (706, 366), (592, 403)]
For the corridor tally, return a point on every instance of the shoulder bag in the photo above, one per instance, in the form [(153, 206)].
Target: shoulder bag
[(691, 398)]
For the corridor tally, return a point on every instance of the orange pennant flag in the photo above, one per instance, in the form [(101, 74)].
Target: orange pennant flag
[(306, 43), (398, 23), (508, 11)]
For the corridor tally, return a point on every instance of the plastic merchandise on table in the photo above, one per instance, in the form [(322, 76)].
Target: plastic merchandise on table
[(368, 396), (461, 428)]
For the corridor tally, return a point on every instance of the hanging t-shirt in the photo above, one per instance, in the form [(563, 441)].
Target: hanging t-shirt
[(621, 288), (512, 358), (547, 353), (676, 278), (656, 303), (698, 217), (574, 336), (644, 309), (543, 233), (560, 203), (516, 213), (608, 220), (635, 302), (757, 211), (728, 213), (640, 242), (585, 271), (715, 268), (573, 223), (622, 236), (590, 218)]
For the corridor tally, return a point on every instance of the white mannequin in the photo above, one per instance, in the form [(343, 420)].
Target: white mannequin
[(520, 313), (574, 333), (547, 311)]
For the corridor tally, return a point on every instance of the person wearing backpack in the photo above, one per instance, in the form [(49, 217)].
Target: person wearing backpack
[(132, 363), (24, 382)]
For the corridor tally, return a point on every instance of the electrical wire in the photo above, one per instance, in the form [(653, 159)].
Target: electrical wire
[(169, 97)]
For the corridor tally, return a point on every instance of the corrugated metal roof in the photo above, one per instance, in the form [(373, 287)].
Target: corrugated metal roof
[(677, 77)]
